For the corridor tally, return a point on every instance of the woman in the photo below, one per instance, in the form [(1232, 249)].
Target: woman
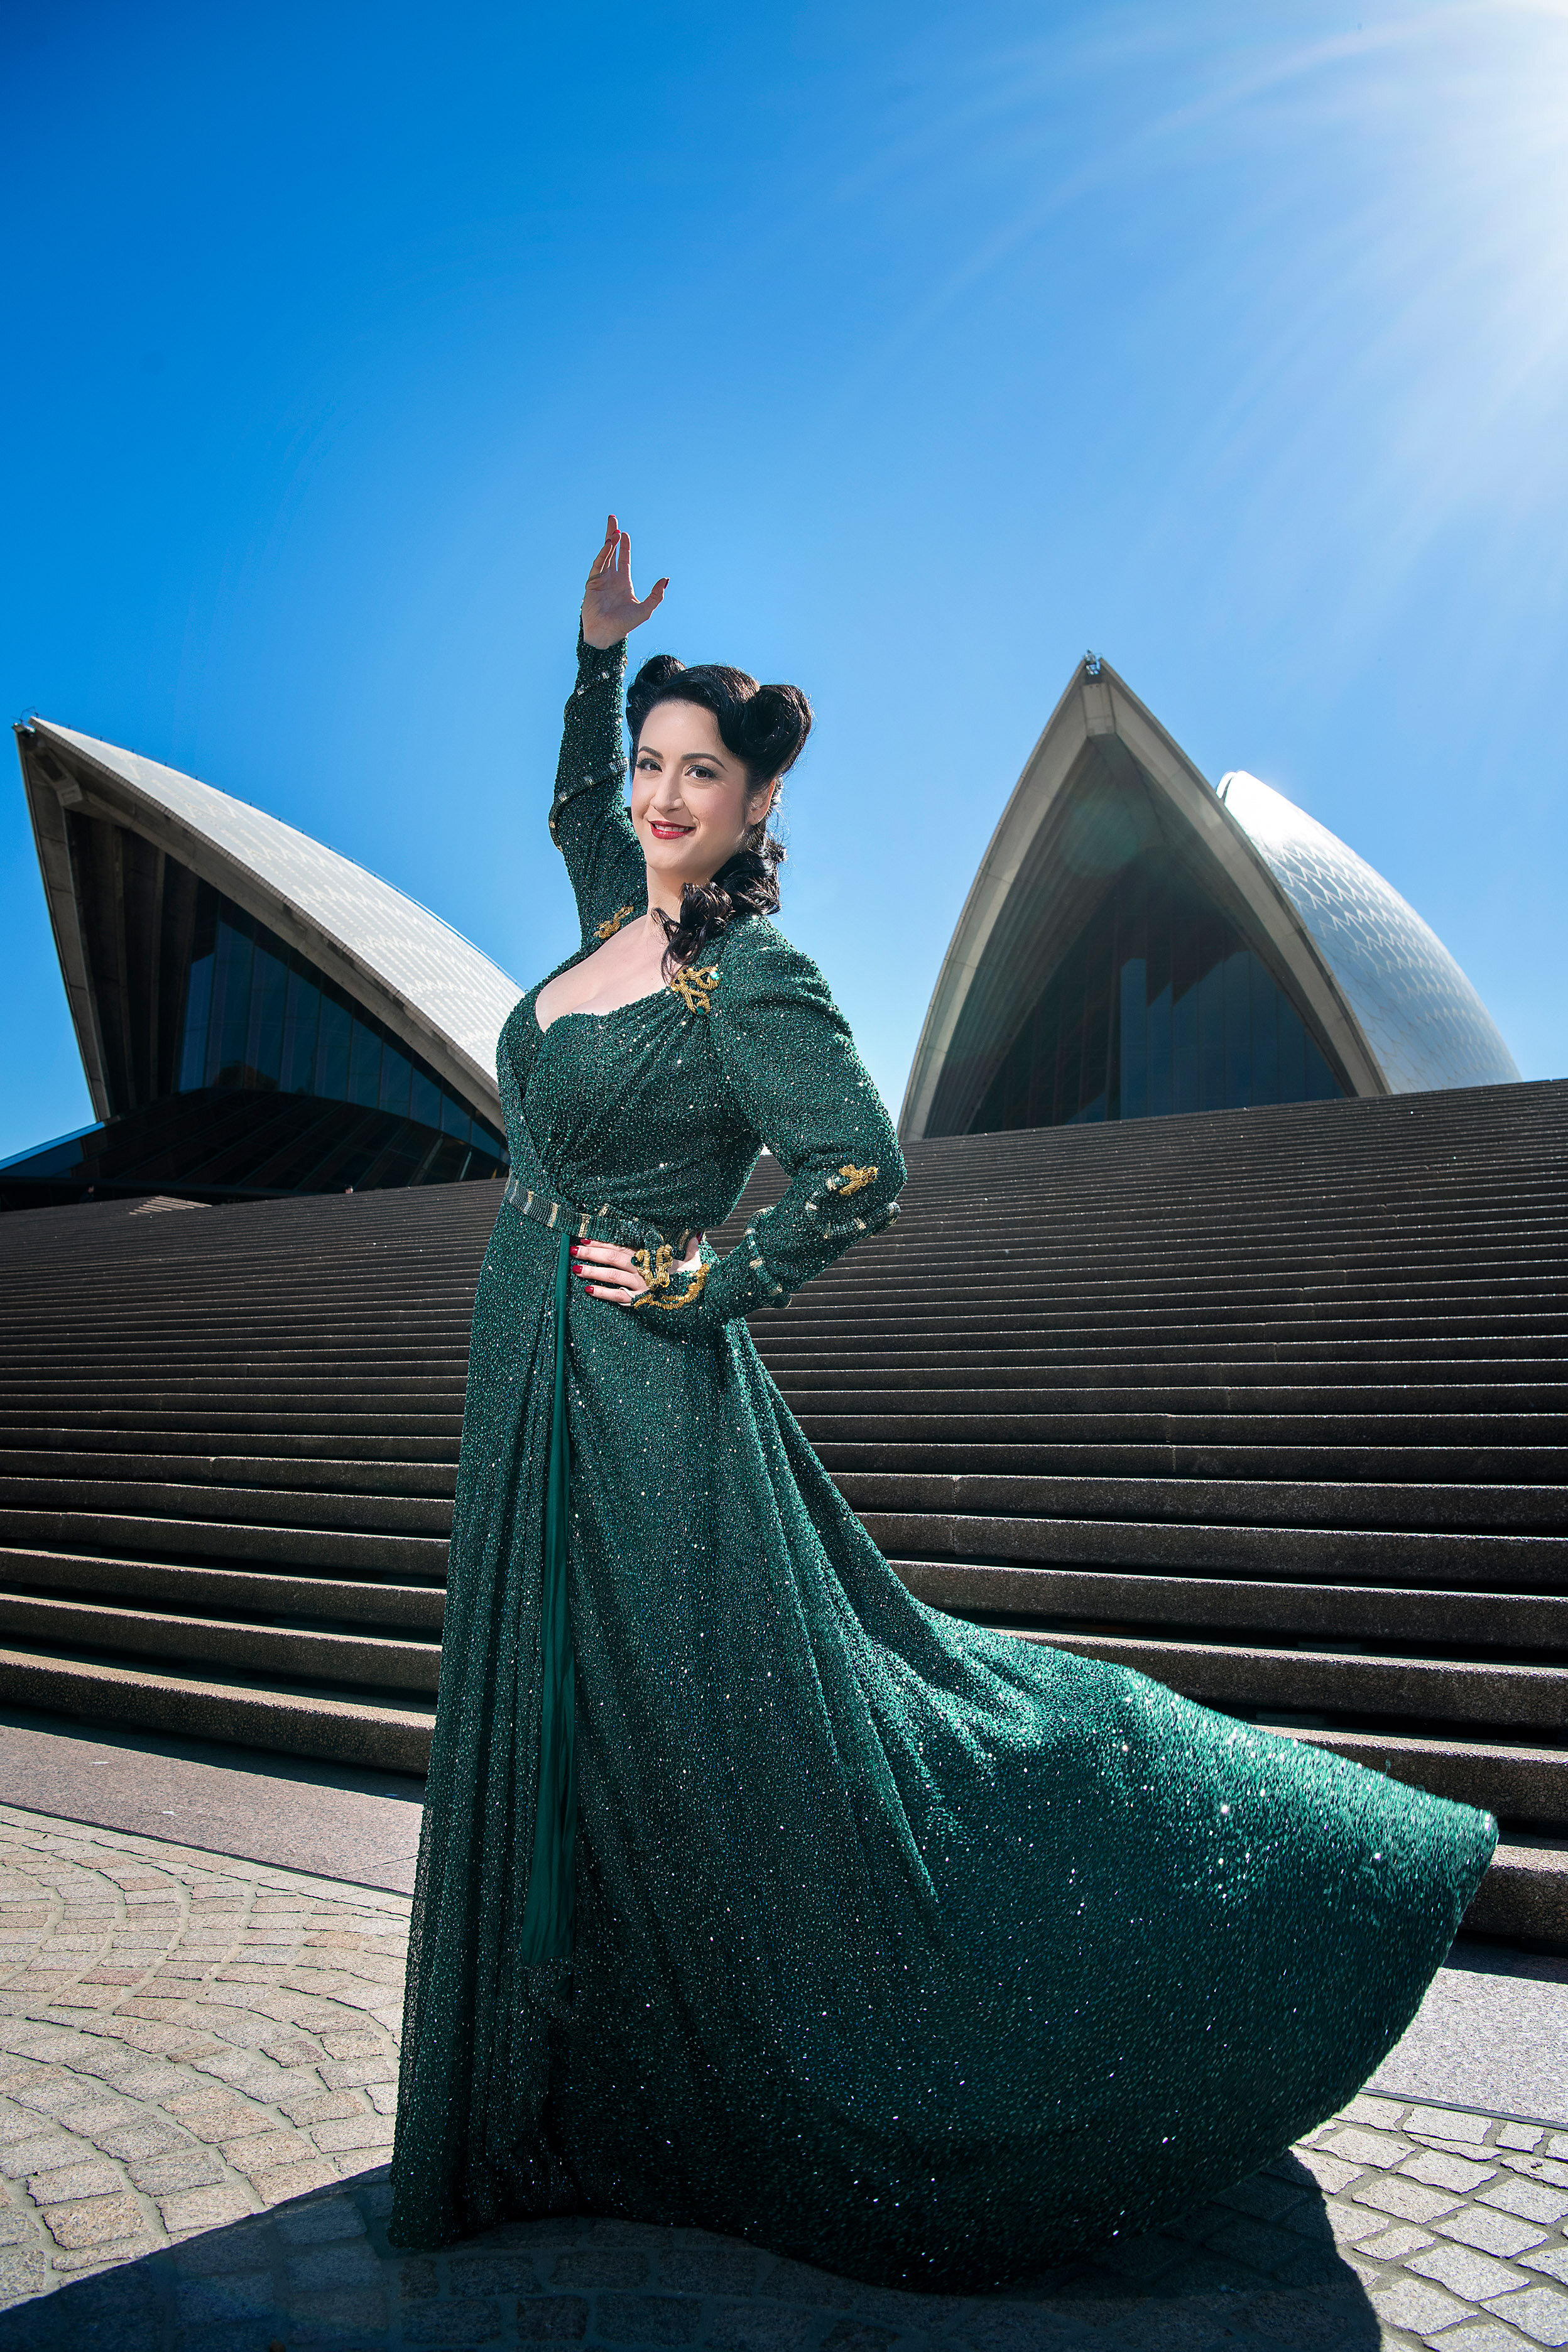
[(753, 1894)]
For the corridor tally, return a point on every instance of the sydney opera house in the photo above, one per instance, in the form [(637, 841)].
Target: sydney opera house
[(259, 1016)]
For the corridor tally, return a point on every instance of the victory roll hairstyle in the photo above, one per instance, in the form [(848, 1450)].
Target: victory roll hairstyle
[(765, 727)]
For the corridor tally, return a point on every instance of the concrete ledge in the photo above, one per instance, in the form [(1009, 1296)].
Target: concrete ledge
[(385, 1664), (356, 1512), (1444, 1511), (1524, 1894), (410, 1608), (1508, 1563), (1375, 1612), (421, 1557), (1517, 1784), (338, 1730), (1534, 1697)]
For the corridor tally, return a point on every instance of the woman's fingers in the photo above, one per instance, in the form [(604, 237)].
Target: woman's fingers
[(607, 1271), (623, 1290), (604, 563), (603, 1253), (610, 603)]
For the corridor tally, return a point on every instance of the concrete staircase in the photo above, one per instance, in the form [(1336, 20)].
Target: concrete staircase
[(1268, 1404)]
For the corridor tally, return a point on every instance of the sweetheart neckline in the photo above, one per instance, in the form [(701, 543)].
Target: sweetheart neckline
[(586, 1013)]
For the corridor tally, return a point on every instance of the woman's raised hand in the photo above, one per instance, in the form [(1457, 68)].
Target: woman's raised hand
[(612, 608)]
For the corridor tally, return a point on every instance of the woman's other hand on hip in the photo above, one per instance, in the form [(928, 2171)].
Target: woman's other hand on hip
[(606, 1271)]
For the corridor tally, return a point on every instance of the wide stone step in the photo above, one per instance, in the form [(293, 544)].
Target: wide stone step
[(246, 1361), (914, 1325), (201, 1542), (1236, 1502), (379, 1662), (1519, 1783), (395, 1514), (415, 1438), (1525, 1892), (1199, 1293), (1318, 1555), (1168, 1417), (1064, 1390), (392, 1735), (317, 1473), (1207, 1356), (1344, 1614), (1236, 1679), (260, 1596), (983, 1443), (402, 1393)]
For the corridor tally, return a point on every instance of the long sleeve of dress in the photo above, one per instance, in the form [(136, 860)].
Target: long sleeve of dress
[(588, 820), (787, 1053)]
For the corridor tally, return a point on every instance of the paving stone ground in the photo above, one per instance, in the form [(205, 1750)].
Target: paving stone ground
[(197, 2063)]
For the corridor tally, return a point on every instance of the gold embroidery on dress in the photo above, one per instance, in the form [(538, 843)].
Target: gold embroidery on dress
[(694, 988), (656, 1269), (607, 929), (852, 1180)]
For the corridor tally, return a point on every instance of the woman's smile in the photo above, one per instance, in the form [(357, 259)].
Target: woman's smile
[(665, 829)]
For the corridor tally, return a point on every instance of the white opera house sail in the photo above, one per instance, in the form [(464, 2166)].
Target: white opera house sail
[(257, 1015), (1137, 943)]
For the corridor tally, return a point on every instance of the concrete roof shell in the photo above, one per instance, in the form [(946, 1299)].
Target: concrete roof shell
[(431, 987), (1418, 1013), (1390, 1006)]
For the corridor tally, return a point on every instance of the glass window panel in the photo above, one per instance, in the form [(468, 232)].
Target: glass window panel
[(1292, 1055), (193, 1041), (425, 1098), (1160, 1103), (397, 1075), (302, 1017), (1265, 1036), (269, 995), (1097, 1034), (332, 1050), (1321, 1084), (455, 1119), (364, 1066), (230, 1023), (1069, 1058), (1185, 1051), (1238, 1031), (1134, 1089), (1211, 1036)]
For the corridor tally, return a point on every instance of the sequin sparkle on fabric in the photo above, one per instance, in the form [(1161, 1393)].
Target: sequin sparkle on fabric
[(901, 1945)]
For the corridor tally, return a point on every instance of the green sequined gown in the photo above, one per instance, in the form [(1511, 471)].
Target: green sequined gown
[(899, 1946)]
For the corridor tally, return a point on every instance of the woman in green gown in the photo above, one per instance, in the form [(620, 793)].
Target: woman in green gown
[(753, 1894)]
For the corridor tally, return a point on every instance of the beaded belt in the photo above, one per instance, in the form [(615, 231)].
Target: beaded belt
[(583, 1225)]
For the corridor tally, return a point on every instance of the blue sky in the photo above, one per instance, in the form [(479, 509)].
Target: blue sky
[(923, 346)]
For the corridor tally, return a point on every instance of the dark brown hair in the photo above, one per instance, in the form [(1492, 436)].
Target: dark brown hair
[(765, 727)]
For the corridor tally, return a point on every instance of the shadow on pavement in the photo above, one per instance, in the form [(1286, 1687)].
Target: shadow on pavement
[(1257, 2268)]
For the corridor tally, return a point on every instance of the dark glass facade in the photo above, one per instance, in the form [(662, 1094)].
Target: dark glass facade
[(1160, 1005), (275, 1081), (258, 1015)]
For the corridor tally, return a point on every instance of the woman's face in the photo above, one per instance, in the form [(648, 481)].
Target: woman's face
[(691, 807)]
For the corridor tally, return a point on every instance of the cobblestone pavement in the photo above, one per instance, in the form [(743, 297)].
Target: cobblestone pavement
[(197, 2074)]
